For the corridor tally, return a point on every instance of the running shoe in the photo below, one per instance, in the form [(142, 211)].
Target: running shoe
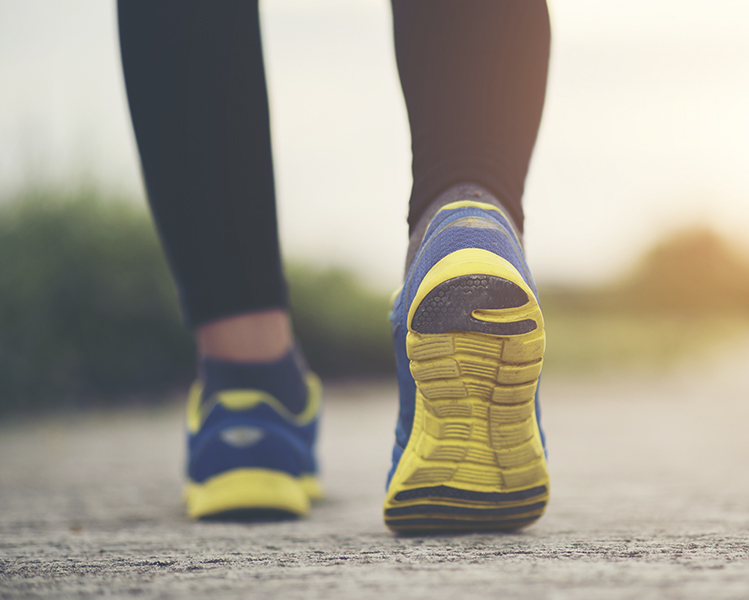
[(249, 457), (469, 339)]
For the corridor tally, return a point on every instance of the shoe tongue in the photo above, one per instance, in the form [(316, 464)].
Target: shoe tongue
[(283, 379)]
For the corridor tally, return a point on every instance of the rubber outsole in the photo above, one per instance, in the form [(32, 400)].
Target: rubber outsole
[(251, 494), (474, 460), (450, 306)]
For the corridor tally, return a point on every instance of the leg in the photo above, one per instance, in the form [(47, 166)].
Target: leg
[(196, 87), (467, 327), (474, 80)]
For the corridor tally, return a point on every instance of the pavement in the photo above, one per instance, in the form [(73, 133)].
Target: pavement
[(650, 499)]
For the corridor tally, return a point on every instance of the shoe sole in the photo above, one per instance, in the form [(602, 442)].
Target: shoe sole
[(250, 494), (474, 460)]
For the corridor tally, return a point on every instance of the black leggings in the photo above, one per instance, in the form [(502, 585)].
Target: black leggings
[(473, 74)]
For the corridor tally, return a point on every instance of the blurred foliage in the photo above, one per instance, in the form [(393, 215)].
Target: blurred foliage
[(88, 311), (342, 326), (584, 342), (688, 296)]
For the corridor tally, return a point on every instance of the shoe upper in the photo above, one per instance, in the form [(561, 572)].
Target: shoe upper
[(244, 429), (457, 226)]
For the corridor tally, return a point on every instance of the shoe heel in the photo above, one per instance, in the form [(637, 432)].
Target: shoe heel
[(475, 459), (249, 492)]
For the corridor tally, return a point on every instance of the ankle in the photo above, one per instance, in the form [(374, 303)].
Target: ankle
[(263, 336), (455, 193), (284, 379)]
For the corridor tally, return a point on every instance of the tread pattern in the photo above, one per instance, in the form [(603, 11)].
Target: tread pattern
[(475, 460)]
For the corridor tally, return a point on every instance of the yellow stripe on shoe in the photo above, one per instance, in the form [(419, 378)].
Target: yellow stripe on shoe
[(251, 489), (197, 409)]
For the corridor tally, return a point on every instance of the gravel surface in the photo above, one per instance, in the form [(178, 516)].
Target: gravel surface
[(650, 499)]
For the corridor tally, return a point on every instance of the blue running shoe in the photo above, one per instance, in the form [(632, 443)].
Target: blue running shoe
[(469, 340), (248, 456)]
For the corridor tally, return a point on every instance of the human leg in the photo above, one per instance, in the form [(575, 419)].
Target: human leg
[(467, 327), (196, 87)]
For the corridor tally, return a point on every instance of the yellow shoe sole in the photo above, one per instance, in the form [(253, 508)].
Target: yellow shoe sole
[(252, 493), (474, 460)]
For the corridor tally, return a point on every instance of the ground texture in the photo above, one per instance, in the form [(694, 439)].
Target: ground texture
[(650, 499)]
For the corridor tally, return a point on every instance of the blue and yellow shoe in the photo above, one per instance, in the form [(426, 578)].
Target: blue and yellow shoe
[(249, 457), (469, 339)]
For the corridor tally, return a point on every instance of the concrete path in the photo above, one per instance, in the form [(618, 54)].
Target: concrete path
[(650, 499)]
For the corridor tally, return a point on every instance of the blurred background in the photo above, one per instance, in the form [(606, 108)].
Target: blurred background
[(637, 201)]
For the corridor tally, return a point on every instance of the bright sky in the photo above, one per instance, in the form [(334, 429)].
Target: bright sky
[(646, 127)]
